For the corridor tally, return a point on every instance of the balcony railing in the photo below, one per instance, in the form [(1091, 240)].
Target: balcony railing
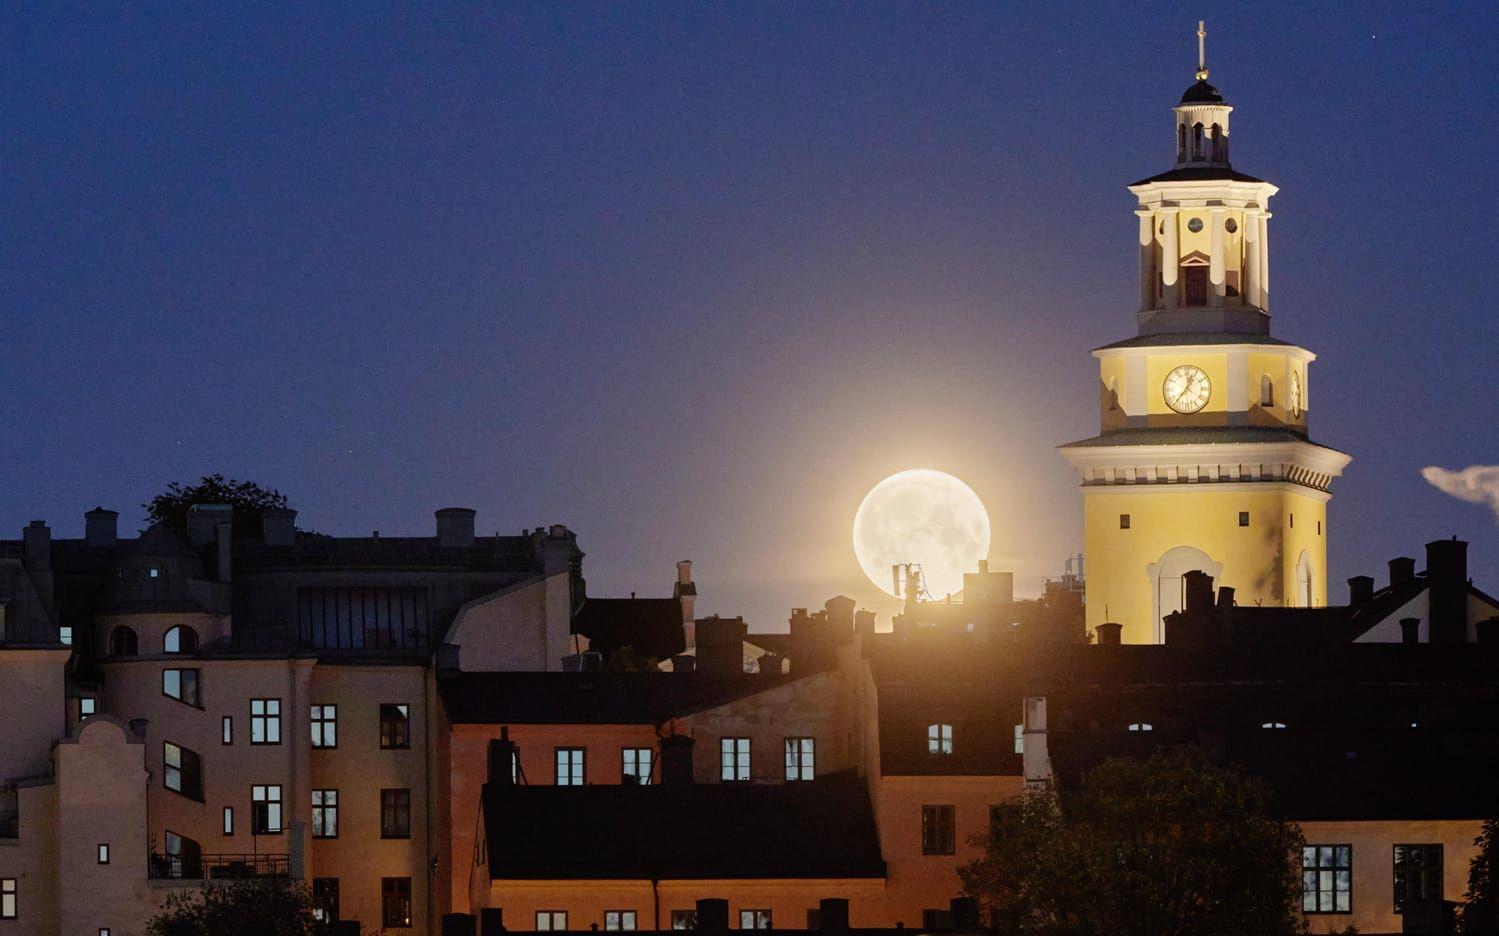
[(218, 867)]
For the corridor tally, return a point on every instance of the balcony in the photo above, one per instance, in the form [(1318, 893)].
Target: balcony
[(219, 867)]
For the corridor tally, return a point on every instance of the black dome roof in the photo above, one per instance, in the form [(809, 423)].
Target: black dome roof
[(1202, 93)]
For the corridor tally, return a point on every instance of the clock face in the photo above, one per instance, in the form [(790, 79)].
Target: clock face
[(1187, 389), (1295, 394)]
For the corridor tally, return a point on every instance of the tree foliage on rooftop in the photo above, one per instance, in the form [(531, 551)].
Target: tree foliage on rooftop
[(1172, 846), (1477, 914), (249, 500), (270, 906)]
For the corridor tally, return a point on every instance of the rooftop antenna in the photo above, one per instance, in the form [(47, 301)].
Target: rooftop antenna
[(1202, 50)]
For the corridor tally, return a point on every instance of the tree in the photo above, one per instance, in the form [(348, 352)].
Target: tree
[(249, 500), (1170, 846), (626, 660), (269, 906), (1477, 914)]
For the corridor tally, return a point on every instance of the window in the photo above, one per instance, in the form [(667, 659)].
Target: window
[(395, 814), (265, 809), (228, 821), (619, 919), (122, 642), (395, 725), (684, 919), (1267, 391), (228, 730), (937, 830), (1273, 725), (1418, 874), (936, 919), (103, 857), (325, 726), (734, 759), (265, 721), (7, 898), (180, 684), (939, 739), (637, 765), (154, 572), (180, 639), (1292, 520), (549, 920), (1327, 878), (325, 814), (754, 919), (325, 900), (65, 635), (395, 902), (570, 762), (362, 618), (182, 771), (1141, 726), (1124, 521), (1244, 518), (87, 707), (801, 758), (103, 931)]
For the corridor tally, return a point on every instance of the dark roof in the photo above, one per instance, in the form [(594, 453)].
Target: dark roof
[(649, 626), (1200, 174), (648, 698), (1192, 338), (1177, 435), (820, 829), (1201, 93), (513, 554)]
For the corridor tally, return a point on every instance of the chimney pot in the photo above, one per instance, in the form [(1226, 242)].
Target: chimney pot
[(684, 572), (36, 546), (1360, 589), (1199, 590), (1225, 596), (455, 527), (502, 753), (1447, 590), (1402, 570), (100, 528)]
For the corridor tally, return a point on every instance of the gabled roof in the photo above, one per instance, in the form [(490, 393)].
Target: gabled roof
[(819, 829)]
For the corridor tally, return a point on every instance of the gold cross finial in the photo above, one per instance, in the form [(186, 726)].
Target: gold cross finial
[(1202, 50)]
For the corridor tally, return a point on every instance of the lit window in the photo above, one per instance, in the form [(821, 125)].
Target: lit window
[(103, 931), (265, 809), (801, 758), (622, 920), (1019, 739), (395, 725), (65, 636), (228, 730), (7, 898), (637, 765), (570, 763), (684, 919), (325, 726), (1418, 874), (182, 770), (103, 857), (937, 830), (180, 684), (395, 814), (228, 820), (754, 919), (551, 920), (87, 707), (939, 739), (395, 902), (1141, 726), (154, 572), (325, 814), (265, 721), (1273, 725), (180, 639), (734, 759), (1327, 878)]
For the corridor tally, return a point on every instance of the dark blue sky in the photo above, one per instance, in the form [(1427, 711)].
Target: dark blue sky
[(691, 278)]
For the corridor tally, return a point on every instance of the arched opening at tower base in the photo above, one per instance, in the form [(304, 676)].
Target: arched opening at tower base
[(1166, 579)]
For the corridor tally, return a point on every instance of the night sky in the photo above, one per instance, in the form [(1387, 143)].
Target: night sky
[(692, 278)]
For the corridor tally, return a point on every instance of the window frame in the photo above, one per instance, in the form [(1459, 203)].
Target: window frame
[(266, 828), (1398, 874), (636, 754), (938, 829), (735, 759), (756, 916), (324, 808), (226, 731), (391, 810), (1315, 872), (939, 739), (572, 754), (268, 722), (182, 681), (182, 771), (324, 909), (91, 703), (10, 899), (398, 888), (801, 759), (101, 854), (552, 916), (227, 826), (324, 720), (619, 915), (395, 735)]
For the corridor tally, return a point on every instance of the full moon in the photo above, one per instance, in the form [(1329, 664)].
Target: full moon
[(922, 516)]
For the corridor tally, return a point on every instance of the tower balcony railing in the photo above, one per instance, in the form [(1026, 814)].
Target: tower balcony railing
[(219, 867)]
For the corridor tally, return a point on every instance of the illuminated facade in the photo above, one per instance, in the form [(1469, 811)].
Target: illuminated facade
[(1203, 460)]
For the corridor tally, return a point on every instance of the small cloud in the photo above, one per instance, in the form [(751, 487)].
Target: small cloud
[(1476, 484)]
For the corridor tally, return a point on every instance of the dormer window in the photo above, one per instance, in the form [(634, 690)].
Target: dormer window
[(939, 739)]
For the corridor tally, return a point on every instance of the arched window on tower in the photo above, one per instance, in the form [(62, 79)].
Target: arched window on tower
[(1196, 142), (180, 639), (1113, 393), (1220, 145), (122, 642), (1181, 142), (1267, 391)]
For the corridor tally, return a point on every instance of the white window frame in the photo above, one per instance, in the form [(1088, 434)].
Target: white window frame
[(548, 921), (622, 921), (939, 738), (801, 759), (636, 764), (571, 766), (734, 760), (262, 793)]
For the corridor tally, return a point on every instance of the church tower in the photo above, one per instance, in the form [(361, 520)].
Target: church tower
[(1203, 459)]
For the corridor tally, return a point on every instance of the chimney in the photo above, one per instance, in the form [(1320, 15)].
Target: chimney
[(1199, 588), (1410, 630), (502, 754), (770, 664), (720, 645), (36, 546), (1447, 590), (864, 623), (455, 527), (100, 528), (203, 522), (685, 591), (224, 539), (840, 609), (676, 760), (832, 915), (1402, 570), (278, 526), (1108, 634), (1225, 597), (1360, 589), (712, 916)]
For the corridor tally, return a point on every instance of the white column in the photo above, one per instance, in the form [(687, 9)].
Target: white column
[(1170, 261), (1251, 268), (1147, 260), (1265, 261), (1217, 279)]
